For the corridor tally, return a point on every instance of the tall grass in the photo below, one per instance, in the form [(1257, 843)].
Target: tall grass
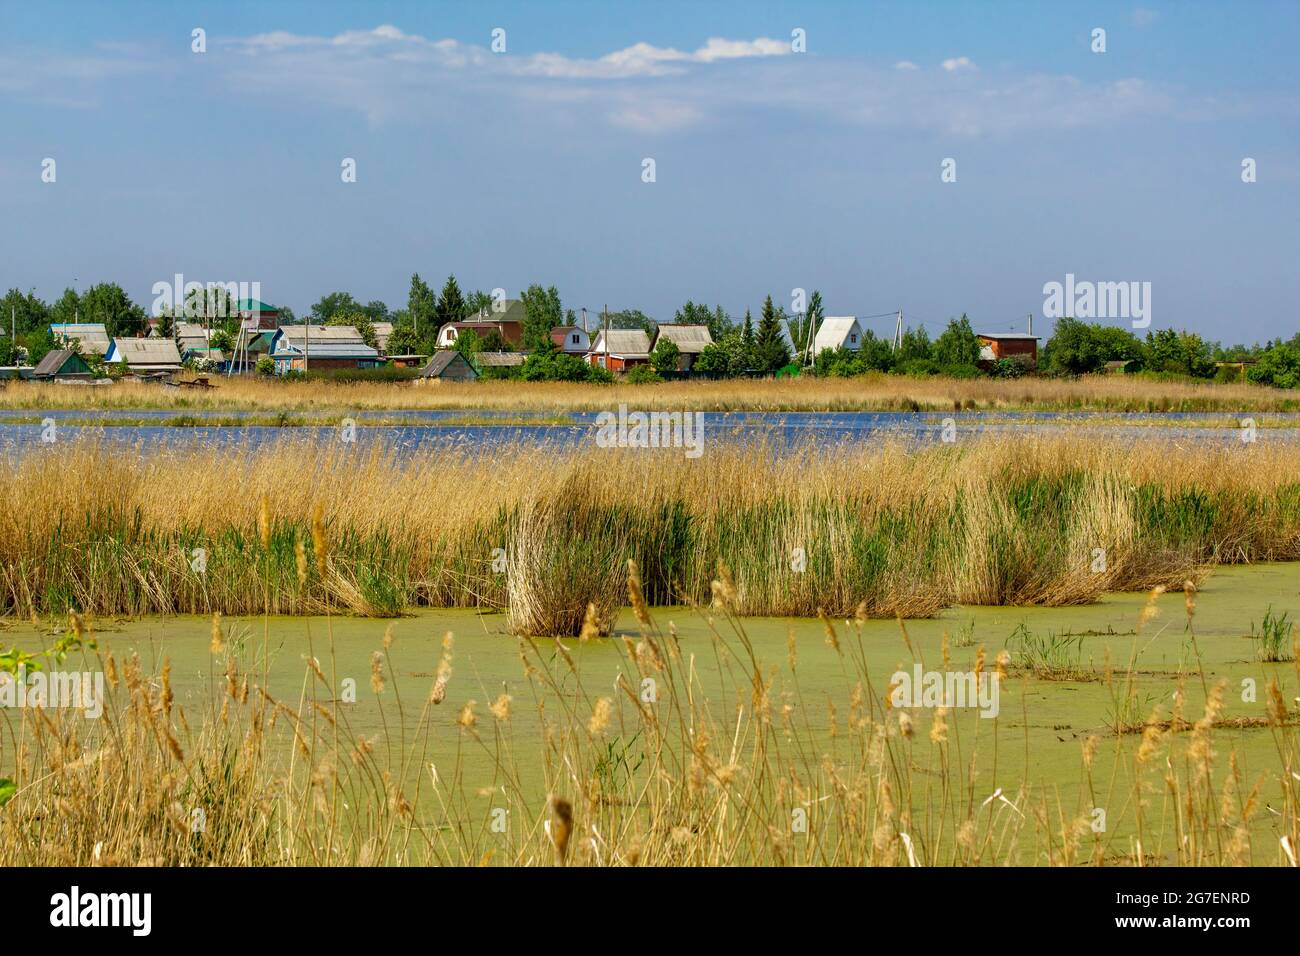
[(881, 531), (753, 776), (1110, 393)]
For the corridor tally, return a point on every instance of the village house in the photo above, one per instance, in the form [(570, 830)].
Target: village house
[(1021, 346), (382, 331), (448, 366), (143, 357), (507, 310), (92, 337), (257, 316), (571, 339), (620, 349), (194, 342), (512, 333), (690, 340), (305, 348), (61, 364), (500, 360), (412, 360), (838, 331)]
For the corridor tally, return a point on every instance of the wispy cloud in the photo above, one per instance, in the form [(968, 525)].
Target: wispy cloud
[(65, 81), (386, 75)]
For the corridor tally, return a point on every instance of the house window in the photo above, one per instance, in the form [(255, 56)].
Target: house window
[(853, 338), (575, 338)]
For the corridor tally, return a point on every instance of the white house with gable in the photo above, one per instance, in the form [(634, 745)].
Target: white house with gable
[(836, 331)]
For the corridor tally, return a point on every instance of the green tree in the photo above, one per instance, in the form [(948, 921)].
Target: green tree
[(1185, 353), (630, 319), (422, 305), (109, 304), (875, 353), (23, 311), (713, 359), (40, 342), (770, 349), (542, 312), (1278, 365), (451, 304), (957, 345), (715, 320), (67, 309), (666, 355), (469, 344), (361, 322), (215, 305), (402, 340), (915, 347), (335, 303)]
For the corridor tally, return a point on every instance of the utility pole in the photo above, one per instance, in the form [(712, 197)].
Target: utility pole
[(584, 320), (1031, 323), (605, 312), (306, 347), (898, 331)]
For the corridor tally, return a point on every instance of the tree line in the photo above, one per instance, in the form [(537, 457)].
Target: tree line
[(740, 346)]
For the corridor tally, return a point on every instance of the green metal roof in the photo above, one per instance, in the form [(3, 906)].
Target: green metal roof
[(254, 305)]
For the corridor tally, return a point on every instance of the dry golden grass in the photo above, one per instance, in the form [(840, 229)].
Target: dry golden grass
[(872, 392), (886, 530)]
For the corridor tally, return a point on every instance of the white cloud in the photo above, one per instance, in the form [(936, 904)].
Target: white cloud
[(386, 75), (640, 59)]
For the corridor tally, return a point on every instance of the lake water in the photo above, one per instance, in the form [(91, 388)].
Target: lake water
[(448, 429)]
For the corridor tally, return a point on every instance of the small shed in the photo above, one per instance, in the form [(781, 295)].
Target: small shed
[(500, 359), (144, 357), (624, 349), (571, 339), (838, 331), (61, 363), (1001, 345), (690, 340), (449, 366), (91, 336), (410, 360)]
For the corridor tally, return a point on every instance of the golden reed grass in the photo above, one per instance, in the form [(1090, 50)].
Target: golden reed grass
[(871, 392), (669, 776), (295, 526)]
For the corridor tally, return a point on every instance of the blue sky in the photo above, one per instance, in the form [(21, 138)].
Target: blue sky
[(775, 170)]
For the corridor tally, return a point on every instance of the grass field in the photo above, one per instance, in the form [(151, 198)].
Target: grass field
[(1114, 393), (883, 530)]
